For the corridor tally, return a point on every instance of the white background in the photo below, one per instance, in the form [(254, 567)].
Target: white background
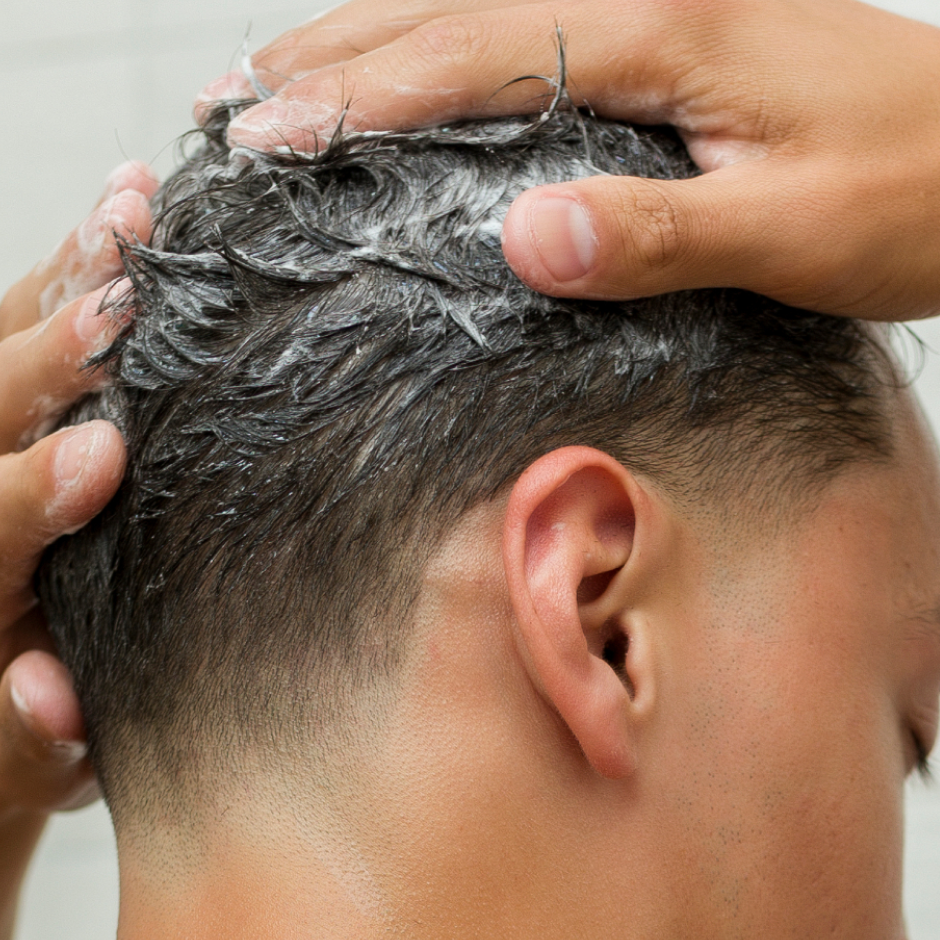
[(87, 83)]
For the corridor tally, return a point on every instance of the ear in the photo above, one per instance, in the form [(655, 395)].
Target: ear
[(572, 536)]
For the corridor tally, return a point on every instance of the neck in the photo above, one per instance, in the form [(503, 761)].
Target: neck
[(240, 900), (242, 882), (441, 877), (399, 867)]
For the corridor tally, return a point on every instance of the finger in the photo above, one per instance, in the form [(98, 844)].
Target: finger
[(43, 762), (53, 488), (617, 238), (621, 59), (351, 29), (338, 35), (132, 175), (86, 260), (233, 86), (41, 369)]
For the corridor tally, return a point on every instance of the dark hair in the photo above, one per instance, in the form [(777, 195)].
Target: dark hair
[(325, 362)]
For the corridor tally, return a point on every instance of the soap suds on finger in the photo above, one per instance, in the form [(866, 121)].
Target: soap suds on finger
[(89, 257)]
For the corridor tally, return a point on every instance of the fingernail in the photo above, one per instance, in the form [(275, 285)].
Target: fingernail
[(66, 751), (69, 752), (562, 234), (115, 211), (19, 702), (90, 322), (230, 87), (94, 233), (128, 175), (276, 124), (76, 452), (258, 126)]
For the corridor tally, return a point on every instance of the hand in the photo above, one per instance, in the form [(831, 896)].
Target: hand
[(46, 490), (817, 123)]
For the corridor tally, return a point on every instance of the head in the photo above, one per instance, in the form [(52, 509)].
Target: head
[(563, 616)]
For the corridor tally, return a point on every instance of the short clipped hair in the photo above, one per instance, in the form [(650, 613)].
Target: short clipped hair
[(325, 362)]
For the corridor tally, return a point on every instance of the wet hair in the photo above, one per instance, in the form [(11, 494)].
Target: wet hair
[(325, 362)]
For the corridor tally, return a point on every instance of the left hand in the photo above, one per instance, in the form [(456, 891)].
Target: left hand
[(50, 486)]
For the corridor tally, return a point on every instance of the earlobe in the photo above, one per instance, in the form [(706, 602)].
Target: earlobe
[(570, 534)]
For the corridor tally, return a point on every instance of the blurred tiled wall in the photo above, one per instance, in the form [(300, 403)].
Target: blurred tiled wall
[(87, 83)]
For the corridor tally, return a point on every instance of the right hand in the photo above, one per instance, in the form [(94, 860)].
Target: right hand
[(817, 123)]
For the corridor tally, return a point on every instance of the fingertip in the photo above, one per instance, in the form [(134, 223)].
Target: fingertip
[(107, 462), (88, 320), (232, 86), (99, 316), (127, 214), (257, 128), (94, 448), (91, 257), (517, 246), (131, 175), (283, 124), (45, 703), (549, 238), (88, 464)]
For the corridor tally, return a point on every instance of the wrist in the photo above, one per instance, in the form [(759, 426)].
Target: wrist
[(20, 830)]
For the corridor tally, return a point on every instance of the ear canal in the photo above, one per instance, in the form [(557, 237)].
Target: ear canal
[(616, 646), (606, 638)]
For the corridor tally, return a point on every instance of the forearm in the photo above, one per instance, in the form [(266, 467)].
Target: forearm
[(19, 834)]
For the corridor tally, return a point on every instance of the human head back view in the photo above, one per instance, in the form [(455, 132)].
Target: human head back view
[(399, 539)]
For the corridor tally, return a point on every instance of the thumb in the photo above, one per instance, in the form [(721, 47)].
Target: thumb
[(619, 238)]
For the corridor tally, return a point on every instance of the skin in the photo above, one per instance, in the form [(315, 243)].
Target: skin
[(821, 191), (817, 123), (48, 488), (746, 753)]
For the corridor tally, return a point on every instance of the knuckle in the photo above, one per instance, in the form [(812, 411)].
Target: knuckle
[(449, 39), (653, 229)]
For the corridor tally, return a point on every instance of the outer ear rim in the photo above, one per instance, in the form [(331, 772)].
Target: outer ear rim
[(584, 690)]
